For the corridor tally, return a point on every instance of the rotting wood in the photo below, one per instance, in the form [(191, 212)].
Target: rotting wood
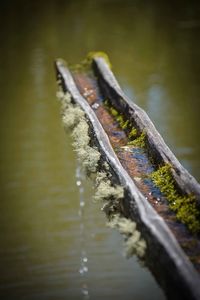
[(165, 257)]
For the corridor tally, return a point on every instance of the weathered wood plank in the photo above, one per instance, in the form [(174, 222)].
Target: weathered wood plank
[(165, 257)]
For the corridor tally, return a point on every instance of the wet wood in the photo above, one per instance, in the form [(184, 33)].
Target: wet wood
[(157, 146), (166, 259)]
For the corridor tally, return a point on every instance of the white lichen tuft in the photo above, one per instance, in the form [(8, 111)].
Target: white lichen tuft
[(106, 166), (73, 118), (125, 226), (100, 177), (89, 156), (134, 243), (80, 134), (65, 100), (105, 191), (91, 159)]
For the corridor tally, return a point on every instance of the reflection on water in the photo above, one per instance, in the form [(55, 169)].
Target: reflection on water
[(54, 243)]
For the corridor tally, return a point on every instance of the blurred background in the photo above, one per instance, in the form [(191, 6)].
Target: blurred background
[(53, 240)]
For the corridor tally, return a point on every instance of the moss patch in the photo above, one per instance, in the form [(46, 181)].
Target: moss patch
[(135, 140), (85, 65), (185, 207), (133, 133), (139, 141)]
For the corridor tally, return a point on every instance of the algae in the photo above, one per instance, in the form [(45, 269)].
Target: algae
[(185, 206)]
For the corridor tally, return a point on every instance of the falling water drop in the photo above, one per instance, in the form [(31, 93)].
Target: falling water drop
[(83, 270)]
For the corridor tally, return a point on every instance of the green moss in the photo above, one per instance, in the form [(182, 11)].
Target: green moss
[(113, 111), (120, 120), (123, 123), (132, 133), (93, 54), (138, 142), (85, 65), (185, 207), (126, 125)]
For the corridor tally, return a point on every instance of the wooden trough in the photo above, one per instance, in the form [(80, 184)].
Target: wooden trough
[(158, 191)]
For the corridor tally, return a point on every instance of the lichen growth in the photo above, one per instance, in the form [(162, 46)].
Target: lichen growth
[(108, 194), (80, 134), (73, 118), (89, 156), (134, 243), (185, 207), (106, 191), (100, 176), (106, 166), (64, 98)]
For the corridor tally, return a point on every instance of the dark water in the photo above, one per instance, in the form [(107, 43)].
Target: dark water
[(53, 239)]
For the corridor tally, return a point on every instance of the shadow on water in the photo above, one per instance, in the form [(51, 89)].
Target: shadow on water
[(154, 48)]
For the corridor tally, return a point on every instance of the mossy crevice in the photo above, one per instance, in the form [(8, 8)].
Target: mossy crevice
[(135, 138), (185, 206), (138, 142)]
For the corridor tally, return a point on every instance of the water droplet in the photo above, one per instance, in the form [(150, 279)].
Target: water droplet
[(85, 292), (85, 269), (78, 183), (82, 203), (95, 105), (85, 259)]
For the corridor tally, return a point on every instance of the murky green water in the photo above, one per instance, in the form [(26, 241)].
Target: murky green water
[(54, 244)]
